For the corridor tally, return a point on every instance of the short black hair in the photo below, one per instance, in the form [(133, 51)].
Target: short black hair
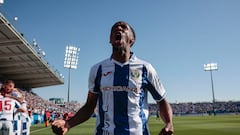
[(133, 32), (8, 81)]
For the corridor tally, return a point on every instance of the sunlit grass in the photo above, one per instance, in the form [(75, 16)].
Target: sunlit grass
[(184, 125)]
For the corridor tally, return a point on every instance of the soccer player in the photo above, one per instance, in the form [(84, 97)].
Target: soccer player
[(7, 108), (25, 120), (9, 90), (118, 86), (20, 117), (17, 120)]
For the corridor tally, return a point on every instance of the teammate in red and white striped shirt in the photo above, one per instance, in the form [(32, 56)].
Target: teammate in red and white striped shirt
[(7, 107)]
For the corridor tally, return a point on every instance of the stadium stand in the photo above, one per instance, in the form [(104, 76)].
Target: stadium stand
[(21, 62), (24, 63), (38, 106), (202, 108)]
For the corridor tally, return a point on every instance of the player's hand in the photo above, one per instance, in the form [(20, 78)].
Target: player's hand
[(59, 127), (165, 131), (7, 95)]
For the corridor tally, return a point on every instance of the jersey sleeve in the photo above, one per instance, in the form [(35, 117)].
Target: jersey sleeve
[(93, 80), (17, 105), (24, 104), (155, 86)]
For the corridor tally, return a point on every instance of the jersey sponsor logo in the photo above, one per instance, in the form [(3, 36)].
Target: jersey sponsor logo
[(120, 88)]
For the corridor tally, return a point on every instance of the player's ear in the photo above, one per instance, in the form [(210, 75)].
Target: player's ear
[(132, 41)]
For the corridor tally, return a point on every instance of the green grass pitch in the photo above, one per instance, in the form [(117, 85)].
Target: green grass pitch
[(184, 125)]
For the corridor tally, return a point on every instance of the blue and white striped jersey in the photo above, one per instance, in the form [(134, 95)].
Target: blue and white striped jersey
[(122, 89)]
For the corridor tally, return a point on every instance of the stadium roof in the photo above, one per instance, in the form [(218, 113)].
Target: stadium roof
[(20, 62)]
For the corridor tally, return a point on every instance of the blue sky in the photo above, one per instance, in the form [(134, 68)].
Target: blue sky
[(176, 36)]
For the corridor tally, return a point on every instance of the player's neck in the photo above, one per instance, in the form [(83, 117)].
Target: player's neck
[(121, 57)]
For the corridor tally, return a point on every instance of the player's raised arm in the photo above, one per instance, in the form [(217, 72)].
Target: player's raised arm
[(61, 127)]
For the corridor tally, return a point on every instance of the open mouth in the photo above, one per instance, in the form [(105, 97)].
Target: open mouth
[(118, 36)]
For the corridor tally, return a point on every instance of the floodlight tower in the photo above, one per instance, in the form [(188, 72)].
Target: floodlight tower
[(70, 62), (211, 67)]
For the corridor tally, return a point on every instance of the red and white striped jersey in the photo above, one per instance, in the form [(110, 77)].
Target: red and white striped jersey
[(7, 107)]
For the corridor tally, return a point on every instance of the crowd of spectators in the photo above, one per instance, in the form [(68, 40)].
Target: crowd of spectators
[(38, 105), (202, 108)]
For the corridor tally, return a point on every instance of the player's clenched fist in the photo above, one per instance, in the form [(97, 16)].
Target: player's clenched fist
[(165, 131), (59, 127)]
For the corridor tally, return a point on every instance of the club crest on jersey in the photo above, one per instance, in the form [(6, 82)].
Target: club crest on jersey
[(135, 74)]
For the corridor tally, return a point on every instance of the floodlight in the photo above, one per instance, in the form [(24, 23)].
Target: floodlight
[(70, 62), (15, 18), (211, 67), (71, 57)]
